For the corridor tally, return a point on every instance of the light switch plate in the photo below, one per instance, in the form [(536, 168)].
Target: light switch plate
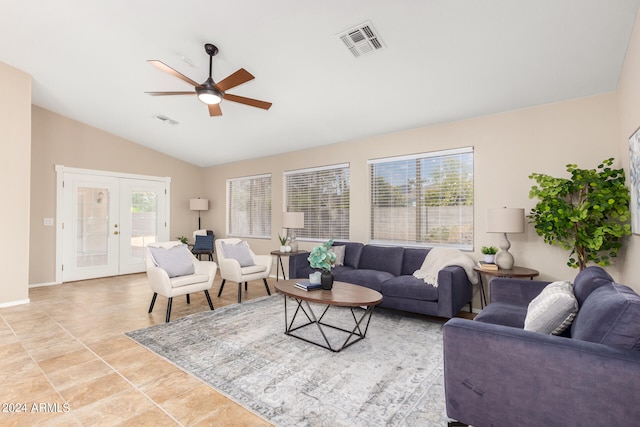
[(48, 221)]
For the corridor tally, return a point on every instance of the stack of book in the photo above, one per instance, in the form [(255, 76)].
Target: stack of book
[(308, 286), (487, 265)]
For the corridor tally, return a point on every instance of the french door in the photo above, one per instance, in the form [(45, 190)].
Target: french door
[(107, 220)]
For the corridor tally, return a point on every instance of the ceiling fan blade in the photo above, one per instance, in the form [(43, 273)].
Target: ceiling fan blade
[(164, 67), (235, 79), (248, 101), (214, 110), (170, 93)]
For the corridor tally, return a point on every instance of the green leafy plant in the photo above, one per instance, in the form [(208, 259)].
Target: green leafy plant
[(489, 250), (283, 240), (321, 256), (587, 214), (183, 239)]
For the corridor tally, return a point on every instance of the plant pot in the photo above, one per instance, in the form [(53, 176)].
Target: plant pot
[(489, 258), (283, 248), (326, 279)]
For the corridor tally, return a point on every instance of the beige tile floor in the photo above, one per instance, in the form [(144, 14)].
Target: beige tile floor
[(64, 360)]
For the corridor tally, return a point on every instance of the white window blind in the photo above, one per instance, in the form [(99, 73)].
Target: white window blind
[(249, 206), (424, 199), (323, 195)]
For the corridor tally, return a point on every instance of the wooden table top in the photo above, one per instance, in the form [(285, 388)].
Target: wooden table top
[(342, 294), (277, 252), (513, 272)]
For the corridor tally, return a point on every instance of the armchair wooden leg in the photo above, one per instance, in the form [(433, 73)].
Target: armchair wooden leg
[(221, 286), (239, 292), (188, 299), (206, 293), (266, 285), (456, 424), (153, 301), (245, 286), (169, 301)]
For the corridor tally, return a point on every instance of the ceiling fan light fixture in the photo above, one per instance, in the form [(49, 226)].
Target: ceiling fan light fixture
[(209, 95)]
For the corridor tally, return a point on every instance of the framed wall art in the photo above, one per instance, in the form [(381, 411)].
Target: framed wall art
[(634, 172)]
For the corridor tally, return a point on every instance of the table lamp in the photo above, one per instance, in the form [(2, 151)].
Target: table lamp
[(199, 205), (292, 221), (505, 220)]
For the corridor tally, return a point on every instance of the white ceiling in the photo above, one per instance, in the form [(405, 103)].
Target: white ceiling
[(443, 60)]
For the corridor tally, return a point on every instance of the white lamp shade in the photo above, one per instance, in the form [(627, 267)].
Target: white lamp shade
[(293, 219), (199, 204), (505, 220)]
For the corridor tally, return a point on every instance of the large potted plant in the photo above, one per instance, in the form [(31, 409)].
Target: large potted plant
[(323, 258), (587, 213)]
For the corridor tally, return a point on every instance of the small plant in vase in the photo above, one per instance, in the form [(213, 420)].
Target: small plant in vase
[(283, 243), (323, 258), (183, 239), (489, 253)]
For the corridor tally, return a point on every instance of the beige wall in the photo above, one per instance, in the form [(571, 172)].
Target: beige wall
[(629, 119), (15, 140), (58, 140), (508, 147)]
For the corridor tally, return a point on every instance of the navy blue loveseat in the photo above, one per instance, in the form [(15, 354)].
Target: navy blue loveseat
[(389, 270), (498, 374)]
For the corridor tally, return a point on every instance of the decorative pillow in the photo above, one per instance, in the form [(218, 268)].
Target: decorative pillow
[(240, 252), (553, 310), (203, 243), (339, 251), (176, 261)]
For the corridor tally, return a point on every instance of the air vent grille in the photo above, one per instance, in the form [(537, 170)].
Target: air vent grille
[(166, 120), (361, 40)]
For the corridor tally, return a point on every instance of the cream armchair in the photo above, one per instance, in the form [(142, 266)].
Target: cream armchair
[(201, 278), (235, 261)]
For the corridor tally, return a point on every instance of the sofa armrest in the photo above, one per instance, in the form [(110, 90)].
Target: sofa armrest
[(299, 266), (498, 375), (454, 291), (515, 291)]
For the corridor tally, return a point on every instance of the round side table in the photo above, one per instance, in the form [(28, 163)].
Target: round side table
[(520, 272)]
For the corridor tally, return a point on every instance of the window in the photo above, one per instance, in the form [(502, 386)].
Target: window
[(323, 195), (424, 199), (249, 206)]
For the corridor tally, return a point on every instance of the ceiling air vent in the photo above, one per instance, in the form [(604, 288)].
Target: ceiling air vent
[(165, 119), (361, 40)]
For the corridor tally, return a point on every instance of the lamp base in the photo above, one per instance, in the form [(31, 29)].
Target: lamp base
[(504, 259)]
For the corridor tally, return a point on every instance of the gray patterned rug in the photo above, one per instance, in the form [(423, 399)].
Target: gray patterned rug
[(391, 378)]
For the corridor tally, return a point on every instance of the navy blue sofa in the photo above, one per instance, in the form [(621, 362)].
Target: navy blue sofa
[(498, 374), (389, 270)]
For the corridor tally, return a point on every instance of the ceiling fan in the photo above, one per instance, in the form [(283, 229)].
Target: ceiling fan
[(210, 92)]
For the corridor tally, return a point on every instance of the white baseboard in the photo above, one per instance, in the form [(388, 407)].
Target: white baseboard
[(37, 285), (12, 303)]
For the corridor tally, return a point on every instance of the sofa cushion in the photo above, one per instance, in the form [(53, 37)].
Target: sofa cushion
[(176, 260), (191, 279), (553, 310), (372, 279), (587, 280), (382, 258), (610, 315), (501, 313), (352, 253), (339, 251), (412, 260), (409, 287)]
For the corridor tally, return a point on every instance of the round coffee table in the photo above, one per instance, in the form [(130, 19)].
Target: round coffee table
[(342, 295)]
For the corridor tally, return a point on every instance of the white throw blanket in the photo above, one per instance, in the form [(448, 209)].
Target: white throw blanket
[(438, 258)]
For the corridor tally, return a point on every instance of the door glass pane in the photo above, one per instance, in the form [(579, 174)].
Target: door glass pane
[(92, 228), (144, 205)]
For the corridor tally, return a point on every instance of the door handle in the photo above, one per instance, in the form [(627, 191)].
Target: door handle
[(116, 232)]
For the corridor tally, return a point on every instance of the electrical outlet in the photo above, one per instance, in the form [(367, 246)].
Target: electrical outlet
[(48, 222)]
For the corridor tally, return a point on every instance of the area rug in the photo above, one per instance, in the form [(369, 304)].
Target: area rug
[(394, 377)]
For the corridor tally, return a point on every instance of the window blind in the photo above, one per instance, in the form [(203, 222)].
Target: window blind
[(322, 193), (249, 206), (423, 199)]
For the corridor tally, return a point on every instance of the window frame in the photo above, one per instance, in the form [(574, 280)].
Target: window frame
[(421, 156)]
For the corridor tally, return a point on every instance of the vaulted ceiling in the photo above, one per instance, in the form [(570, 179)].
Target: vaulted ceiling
[(441, 60)]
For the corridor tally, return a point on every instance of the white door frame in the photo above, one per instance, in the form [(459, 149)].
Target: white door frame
[(61, 170)]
